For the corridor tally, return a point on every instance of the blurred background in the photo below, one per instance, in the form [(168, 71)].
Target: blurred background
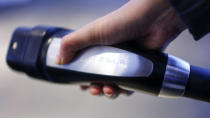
[(24, 97)]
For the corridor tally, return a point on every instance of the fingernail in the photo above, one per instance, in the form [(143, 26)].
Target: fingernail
[(108, 95), (94, 92), (111, 96), (60, 60)]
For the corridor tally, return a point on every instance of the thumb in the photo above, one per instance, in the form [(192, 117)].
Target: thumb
[(94, 33), (106, 30)]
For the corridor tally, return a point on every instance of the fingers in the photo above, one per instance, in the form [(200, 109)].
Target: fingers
[(95, 89), (113, 91), (110, 90)]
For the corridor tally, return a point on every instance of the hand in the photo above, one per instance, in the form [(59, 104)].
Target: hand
[(152, 23)]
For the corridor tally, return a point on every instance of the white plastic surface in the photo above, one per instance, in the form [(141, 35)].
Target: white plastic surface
[(103, 60)]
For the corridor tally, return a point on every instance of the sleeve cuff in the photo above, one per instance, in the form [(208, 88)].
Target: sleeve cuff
[(195, 14)]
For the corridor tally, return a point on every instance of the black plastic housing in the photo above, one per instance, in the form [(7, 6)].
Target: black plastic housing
[(28, 49), (198, 86), (29, 42), (30, 57)]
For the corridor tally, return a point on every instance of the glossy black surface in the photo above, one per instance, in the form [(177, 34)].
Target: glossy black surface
[(198, 86)]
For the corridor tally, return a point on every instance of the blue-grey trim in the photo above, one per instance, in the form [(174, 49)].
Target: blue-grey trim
[(176, 77)]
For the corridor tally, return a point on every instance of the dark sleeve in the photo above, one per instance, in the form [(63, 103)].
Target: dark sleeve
[(195, 14)]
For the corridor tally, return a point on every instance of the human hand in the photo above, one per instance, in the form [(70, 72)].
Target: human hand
[(151, 23)]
